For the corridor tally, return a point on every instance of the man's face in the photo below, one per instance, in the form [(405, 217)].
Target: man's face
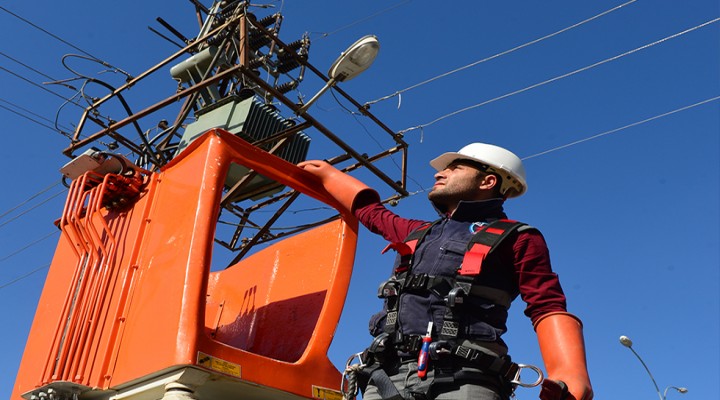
[(458, 181)]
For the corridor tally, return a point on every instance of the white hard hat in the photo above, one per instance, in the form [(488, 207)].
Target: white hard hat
[(499, 160)]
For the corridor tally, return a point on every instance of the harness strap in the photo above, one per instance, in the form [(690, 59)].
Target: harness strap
[(483, 242), (442, 286), (406, 248), (485, 362), (386, 389)]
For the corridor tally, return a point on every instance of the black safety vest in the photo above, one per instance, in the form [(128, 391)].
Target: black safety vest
[(456, 291)]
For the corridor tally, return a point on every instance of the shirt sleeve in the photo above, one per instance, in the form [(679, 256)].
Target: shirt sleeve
[(378, 219), (539, 286)]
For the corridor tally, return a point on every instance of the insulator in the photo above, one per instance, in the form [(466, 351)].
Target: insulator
[(256, 62), (217, 39), (257, 40), (286, 87), (294, 46), (269, 20), (287, 66)]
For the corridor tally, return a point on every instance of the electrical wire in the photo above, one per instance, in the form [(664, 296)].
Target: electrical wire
[(36, 270), (29, 199), (367, 132), (369, 17), (399, 92), (40, 86), (33, 120), (559, 77), (32, 113), (25, 65), (54, 36), (27, 246), (32, 208), (622, 128)]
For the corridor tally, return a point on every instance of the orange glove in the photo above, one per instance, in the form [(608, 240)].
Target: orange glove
[(343, 187), (563, 350)]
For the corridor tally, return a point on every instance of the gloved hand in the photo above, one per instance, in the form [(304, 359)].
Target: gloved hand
[(343, 187), (553, 390), (563, 350)]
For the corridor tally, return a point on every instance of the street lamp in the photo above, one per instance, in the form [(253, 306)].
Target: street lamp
[(679, 389), (353, 61), (625, 341)]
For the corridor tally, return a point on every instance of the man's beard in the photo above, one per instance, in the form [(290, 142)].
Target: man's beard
[(447, 197)]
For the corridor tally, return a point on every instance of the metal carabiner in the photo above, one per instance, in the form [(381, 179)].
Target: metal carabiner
[(359, 355), (519, 382), (348, 382)]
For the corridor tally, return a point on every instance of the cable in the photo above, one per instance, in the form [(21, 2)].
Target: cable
[(32, 208), (40, 86), (29, 199), (33, 120), (367, 132), (6, 284), (63, 41), (622, 128), (32, 113), (26, 66), (577, 71), (27, 246), (383, 11), (399, 92)]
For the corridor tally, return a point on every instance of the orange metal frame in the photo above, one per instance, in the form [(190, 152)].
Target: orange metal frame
[(130, 296)]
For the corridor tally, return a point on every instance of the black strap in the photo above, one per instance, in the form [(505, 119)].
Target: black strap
[(485, 362), (380, 379)]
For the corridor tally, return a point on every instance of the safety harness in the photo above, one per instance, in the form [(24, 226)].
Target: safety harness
[(386, 348)]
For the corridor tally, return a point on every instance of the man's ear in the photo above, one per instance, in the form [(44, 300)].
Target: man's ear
[(489, 182)]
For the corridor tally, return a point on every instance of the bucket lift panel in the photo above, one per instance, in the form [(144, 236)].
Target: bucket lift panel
[(130, 304)]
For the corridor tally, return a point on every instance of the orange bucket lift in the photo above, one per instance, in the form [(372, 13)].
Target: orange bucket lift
[(131, 309)]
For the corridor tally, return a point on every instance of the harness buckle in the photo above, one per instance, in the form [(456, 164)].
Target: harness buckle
[(439, 349), (388, 289), (455, 296), (517, 380)]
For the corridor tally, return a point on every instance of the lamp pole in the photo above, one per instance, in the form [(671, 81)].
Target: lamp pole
[(625, 341)]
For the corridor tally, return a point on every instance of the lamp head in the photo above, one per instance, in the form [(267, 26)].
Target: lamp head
[(625, 341), (356, 59)]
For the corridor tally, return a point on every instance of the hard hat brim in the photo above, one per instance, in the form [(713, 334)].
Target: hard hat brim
[(441, 162)]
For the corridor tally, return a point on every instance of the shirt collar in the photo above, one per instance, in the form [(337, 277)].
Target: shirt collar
[(479, 210)]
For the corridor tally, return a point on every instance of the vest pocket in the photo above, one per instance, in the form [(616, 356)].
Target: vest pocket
[(449, 258)]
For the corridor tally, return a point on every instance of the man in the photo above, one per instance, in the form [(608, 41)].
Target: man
[(453, 282)]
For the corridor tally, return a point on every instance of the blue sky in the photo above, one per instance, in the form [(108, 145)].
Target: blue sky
[(618, 120)]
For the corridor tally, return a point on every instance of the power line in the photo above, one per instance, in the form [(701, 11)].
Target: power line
[(611, 131), (31, 119), (622, 128), (26, 66), (30, 199), (27, 246), (40, 86), (54, 36), (557, 78), (54, 128), (32, 208), (4, 285), (399, 92), (383, 11)]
